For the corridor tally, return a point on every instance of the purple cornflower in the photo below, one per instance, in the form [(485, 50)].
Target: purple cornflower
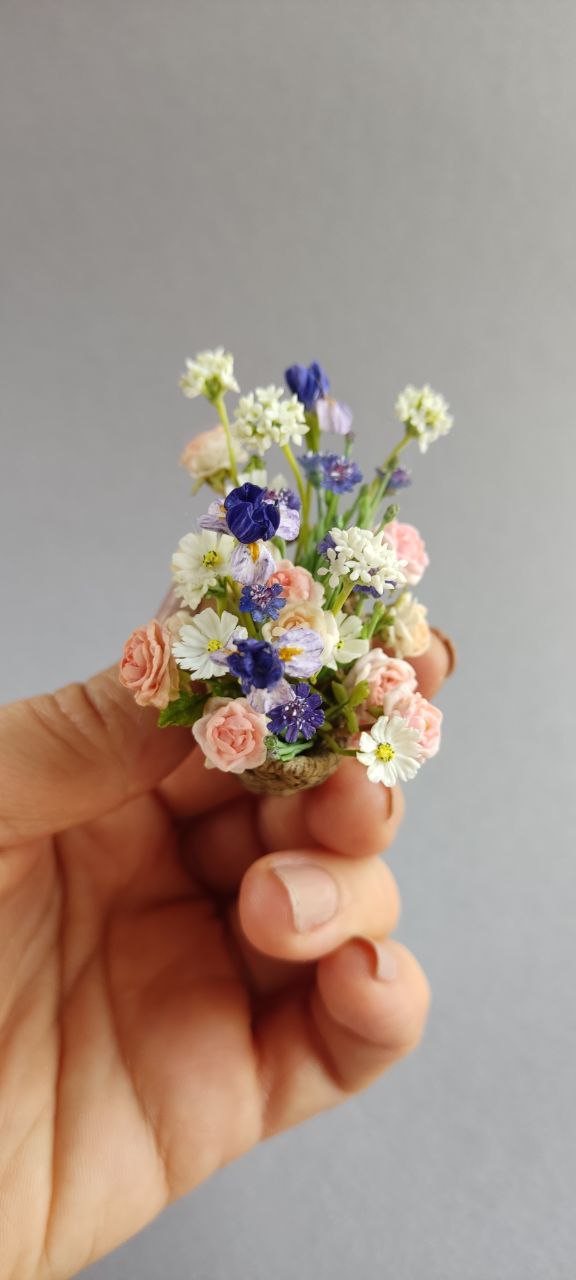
[(263, 601), (331, 471), (286, 497), (303, 715), (326, 543), (308, 384), (256, 665), (400, 478)]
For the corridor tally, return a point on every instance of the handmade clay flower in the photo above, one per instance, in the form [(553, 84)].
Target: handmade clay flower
[(308, 384), (147, 668), (232, 735), (410, 550), (207, 453), (390, 751)]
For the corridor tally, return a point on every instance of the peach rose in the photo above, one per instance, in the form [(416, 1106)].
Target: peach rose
[(297, 582), (409, 547), (231, 735), (421, 715), (303, 613), (385, 676), (147, 667), (208, 452)]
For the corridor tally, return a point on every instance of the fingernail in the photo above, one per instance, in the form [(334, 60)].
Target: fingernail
[(450, 648), (313, 894), (383, 960)]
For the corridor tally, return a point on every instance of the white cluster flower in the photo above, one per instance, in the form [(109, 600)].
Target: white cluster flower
[(210, 374), (426, 412), (265, 417), (409, 634), (365, 558), (391, 751), (201, 559)]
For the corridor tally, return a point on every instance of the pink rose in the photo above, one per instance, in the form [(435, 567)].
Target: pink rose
[(207, 453), (408, 545), (231, 735), (147, 667), (297, 582), (386, 676), (421, 715)]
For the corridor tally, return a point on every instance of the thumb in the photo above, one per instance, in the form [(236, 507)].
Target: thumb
[(69, 756)]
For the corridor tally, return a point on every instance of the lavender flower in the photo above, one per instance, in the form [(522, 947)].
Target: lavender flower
[(400, 479), (263, 601), (303, 715), (326, 543)]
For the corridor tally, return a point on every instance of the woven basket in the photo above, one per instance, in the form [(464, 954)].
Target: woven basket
[(285, 778)]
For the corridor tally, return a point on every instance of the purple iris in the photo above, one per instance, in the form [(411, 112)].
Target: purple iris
[(249, 515), (331, 471), (256, 665), (309, 384), (334, 415), (252, 564), (263, 601), (303, 715), (301, 650)]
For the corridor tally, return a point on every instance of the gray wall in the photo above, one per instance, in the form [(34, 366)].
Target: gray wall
[(388, 187)]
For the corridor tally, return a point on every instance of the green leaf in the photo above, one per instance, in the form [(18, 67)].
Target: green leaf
[(185, 710), (339, 693), (351, 720), (280, 750), (359, 693)]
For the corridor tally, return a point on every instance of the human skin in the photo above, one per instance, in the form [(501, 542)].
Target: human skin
[(163, 1006)]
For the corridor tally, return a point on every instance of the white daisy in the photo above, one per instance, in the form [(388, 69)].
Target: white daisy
[(203, 642), (364, 558), (391, 751), (426, 412), (351, 644), (209, 374), (201, 559), (265, 417)]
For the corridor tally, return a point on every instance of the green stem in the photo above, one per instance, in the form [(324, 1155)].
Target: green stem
[(342, 597), (223, 416), (304, 497)]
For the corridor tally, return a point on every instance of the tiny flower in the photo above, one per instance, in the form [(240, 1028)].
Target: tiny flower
[(326, 543), (264, 418), (409, 633), (147, 668), (210, 374), (386, 678), (250, 517), (284, 495), (390, 751), (252, 565), (203, 643), (256, 664), (200, 561), (232, 735), (351, 644), (305, 613), (332, 472), (301, 716), (300, 650), (263, 601), (308, 384), (425, 412), (207, 453), (334, 416), (297, 582), (421, 715), (364, 558), (400, 479), (409, 548)]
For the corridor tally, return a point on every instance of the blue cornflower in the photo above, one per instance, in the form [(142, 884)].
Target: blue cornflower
[(400, 479), (309, 384), (256, 665), (263, 601), (285, 497), (331, 471), (303, 715), (250, 515), (326, 543)]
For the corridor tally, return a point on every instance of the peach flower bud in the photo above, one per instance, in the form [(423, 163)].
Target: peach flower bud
[(147, 667), (297, 582), (421, 715), (231, 735), (409, 547), (207, 453)]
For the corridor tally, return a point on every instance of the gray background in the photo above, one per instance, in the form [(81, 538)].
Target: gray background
[(388, 187)]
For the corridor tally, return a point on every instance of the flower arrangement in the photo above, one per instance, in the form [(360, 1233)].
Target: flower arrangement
[(281, 666)]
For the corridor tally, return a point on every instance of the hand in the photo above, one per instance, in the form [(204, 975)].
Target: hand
[(172, 988)]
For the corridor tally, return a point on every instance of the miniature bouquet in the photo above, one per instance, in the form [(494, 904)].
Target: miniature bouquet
[(281, 664)]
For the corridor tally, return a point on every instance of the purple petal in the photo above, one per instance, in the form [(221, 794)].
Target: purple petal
[(264, 700), (289, 526), (248, 571), (334, 416), (215, 518)]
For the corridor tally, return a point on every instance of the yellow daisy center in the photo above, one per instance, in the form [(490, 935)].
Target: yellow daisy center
[(210, 559), (385, 752), (213, 645)]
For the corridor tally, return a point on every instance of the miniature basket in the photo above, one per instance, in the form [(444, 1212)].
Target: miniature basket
[(286, 777)]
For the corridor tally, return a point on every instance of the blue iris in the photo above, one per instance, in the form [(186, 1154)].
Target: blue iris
[(250, 515), (256, 665), (309, 384), (302, 716)]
